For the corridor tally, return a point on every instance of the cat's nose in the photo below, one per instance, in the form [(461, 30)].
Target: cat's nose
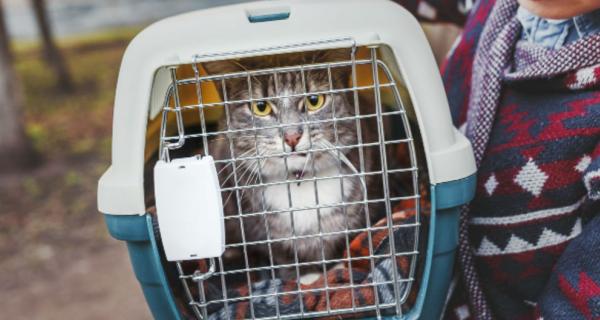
[(292, 138)]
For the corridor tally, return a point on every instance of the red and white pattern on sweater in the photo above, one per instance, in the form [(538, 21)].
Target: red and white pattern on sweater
[(591, 177), (532, 178), (584, 78), (516, 244)]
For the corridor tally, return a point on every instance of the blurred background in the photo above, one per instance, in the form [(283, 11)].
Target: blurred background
[(59, 62)]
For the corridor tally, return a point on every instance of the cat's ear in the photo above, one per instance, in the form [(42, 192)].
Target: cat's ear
[(341, 75), (331, 55), (222, 67)]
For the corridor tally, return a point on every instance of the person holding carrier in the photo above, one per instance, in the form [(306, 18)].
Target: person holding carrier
[(523, 83)]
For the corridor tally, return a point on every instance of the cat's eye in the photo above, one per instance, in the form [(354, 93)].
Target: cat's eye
[(315, 102), (261, 108)]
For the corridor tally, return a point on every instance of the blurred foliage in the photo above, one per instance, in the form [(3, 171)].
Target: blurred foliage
[(50, 211), (76, 124)]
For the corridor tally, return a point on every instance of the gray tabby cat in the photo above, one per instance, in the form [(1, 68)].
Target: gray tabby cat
[(306, 126)]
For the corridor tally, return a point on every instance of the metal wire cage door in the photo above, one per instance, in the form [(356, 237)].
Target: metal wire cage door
[(284, 208)]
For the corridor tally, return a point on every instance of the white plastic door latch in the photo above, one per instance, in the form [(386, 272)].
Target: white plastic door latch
[(189, 208)]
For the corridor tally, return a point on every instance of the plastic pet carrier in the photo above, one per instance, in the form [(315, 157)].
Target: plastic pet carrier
[(284, 160)]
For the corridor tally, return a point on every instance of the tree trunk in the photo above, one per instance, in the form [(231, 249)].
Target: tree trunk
[(51, 52), (15, 149)]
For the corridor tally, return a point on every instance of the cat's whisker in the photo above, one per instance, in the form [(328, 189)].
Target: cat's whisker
[(251, 180), (250, 165), (253, 170), (248, 137), (233, 173), (246, 172), (328, 145), (228, 198), (253, 177), (232, 192), (231, 163), (306, 163)]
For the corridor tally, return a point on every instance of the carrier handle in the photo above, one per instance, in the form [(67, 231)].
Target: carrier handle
[(268, 14)]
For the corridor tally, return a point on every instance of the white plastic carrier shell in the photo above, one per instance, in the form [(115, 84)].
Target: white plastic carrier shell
[(143, 78)]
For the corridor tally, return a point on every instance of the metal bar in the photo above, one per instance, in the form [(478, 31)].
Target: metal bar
[(201, 107), (266, 98), (316, 235), (286, 125), (341, 204), (382, 151), (341, 287), (415, 175), (265, 217), (179, 117), (352, 146), (236, 179), (163, 150), (281, 266), (234, 168), (202, 298), (269, 71), (224, 287), (339, 165), (275, 155), (248, 276), (186, 290), (290, 204), (316, 188), (268, 184)]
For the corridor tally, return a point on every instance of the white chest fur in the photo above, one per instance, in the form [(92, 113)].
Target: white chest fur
[(328, 192)]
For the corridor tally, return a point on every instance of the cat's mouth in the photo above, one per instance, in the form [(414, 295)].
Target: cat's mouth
[(299, 166), (298, 154), (296, 161), (298, 174)]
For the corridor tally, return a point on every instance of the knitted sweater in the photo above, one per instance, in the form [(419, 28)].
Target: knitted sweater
[(533, 116)]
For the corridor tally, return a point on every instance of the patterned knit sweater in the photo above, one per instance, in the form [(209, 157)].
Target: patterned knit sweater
[(534, 228)]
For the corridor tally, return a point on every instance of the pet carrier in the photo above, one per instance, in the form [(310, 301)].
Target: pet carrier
[(287, 159)]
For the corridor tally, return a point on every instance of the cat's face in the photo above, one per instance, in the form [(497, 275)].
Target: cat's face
[(289, 126), (293, 124)]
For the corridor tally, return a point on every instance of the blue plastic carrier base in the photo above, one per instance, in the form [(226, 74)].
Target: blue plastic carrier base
[(137, 232), (446, 201)]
